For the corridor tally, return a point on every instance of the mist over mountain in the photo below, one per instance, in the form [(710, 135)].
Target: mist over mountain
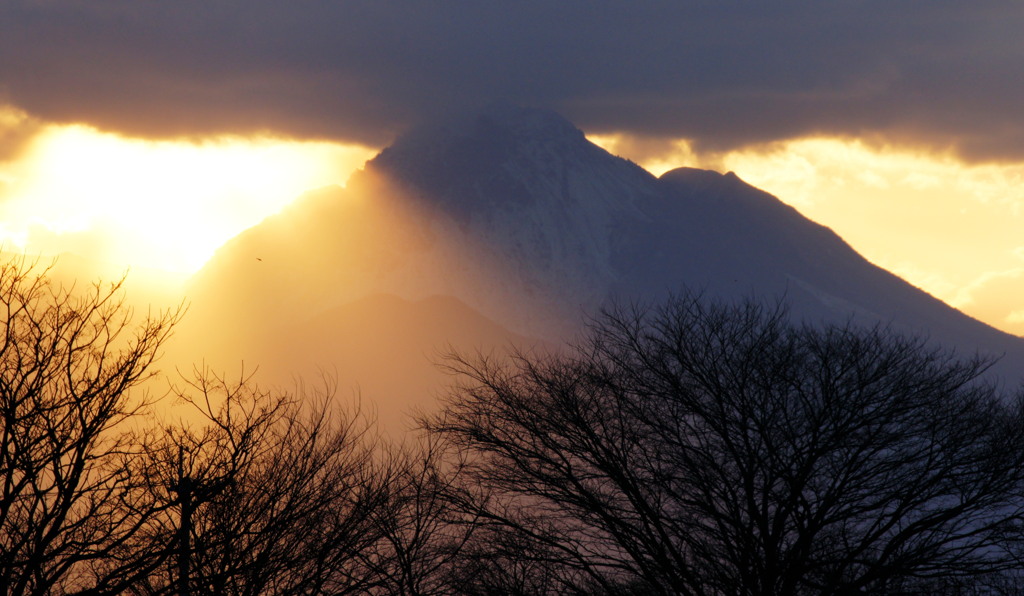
[(521, 222)]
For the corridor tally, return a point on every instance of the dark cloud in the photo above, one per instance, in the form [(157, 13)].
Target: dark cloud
[(724, 73)]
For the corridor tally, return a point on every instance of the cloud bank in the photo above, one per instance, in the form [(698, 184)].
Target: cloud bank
[(722, 74)]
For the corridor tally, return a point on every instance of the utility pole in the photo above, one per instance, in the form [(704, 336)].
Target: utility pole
[(191, 493), (184, 488)]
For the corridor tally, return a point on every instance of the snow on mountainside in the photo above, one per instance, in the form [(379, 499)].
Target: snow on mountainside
[(527, 186), (516, 214)]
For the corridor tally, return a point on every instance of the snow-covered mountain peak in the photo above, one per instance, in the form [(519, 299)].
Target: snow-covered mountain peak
[(502, 128), (528, 187), (515, 213), (504, 154)]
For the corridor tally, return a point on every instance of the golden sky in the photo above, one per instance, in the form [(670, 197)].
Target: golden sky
[(162, 204)]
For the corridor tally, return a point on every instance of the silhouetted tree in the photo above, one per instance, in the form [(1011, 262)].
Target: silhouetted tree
[(706, 448), (273, 493), (698, 449), (70, 362), (246, 492), (424, 534)]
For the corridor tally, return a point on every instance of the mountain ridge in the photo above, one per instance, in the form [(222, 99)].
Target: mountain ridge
[(516, 214)]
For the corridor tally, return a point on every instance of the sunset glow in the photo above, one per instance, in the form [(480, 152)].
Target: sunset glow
[(154, 204)]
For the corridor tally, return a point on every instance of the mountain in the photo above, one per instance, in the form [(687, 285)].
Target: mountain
[(384, 348), (525, 224)]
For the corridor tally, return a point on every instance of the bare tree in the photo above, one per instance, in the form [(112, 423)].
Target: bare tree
[(706, 448), (428, 540), (70, 364), (273, 493)]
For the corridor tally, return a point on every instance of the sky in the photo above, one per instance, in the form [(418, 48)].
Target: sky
[(148, 133)]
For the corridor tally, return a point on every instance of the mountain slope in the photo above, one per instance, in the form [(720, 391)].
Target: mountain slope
[(517, 215), (779, 252), (386, 349)]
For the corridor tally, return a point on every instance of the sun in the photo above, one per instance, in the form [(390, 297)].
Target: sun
[(166, 204)]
